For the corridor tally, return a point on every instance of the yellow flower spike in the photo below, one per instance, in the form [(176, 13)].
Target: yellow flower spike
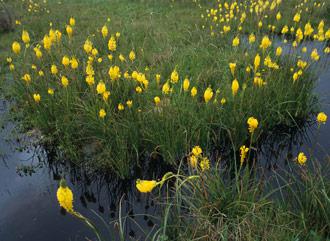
[(72, 21), (64, 81), (252, 124), (114, 73), (106, 95), (321, 118), (232, 67), (129, 103), (314, 55), (102, 113), (121, 107), (25, 37), (197, 151), (166, 89), (27, 78), (301, 158), (243, 152), (296, 17), (90, 80), (146, 186), (278, 51), (101, 88), (65, 61), (104, 31), (204, 164), (174, 76), (252, 38), (157, 100), (65, 197), (16, 47), (257, 60), (69, 30), (74, 63), (193, 161), (112, 44), (265, 43), (131, 55), (208, 94), (37, 98), (235, 42), (88, 46), (50, 91), (234, 87), (193, 91), (186, 84)]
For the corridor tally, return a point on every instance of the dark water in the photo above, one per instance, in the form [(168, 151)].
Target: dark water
[(29, 209)]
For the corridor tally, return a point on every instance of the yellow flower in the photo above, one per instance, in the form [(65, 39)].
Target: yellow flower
[(252, 38), (16, 47), (232, 67), (25, 37), (193, 91), (322, 118), (158, 78), (205, 164), (296, 17), (47, 42), (186, 84), (265, 43), (193, 160), (69, 30), (166, 88), (114, 72), (257, 60), (64, 81), (223, 101), (90, 80), (157, 100), (101, 88), (95, 52), (65, 197), (72, 22), (129, 103), (174, 76), (138, 89), (314, 55), (50, 91), (121, 107), (208, 94), (253, 124), (38, 52), (308, 29), (27, 78), (102, 113), (37, 98), (234, 87), (304, 49), (88, 46), (104, 31), (278, 51), (235, 42), (285, 29), (106, 95), (65, 61), (74, 63), (145, 186), (197, 151), (112, 45), (117, 35), (301, 158), (243, 151), (278, 16), (131, 55)]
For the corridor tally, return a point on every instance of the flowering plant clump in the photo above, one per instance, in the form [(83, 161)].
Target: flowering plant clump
[(106, 91)]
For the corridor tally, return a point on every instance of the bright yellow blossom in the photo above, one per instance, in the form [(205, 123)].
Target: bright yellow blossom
[(253, 124), (64, 81), (234, 87), (301, 158), (37, 98), (145, 186), (102, 113), (322, 118), (208, 94), (16, 47), (65, 197)]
